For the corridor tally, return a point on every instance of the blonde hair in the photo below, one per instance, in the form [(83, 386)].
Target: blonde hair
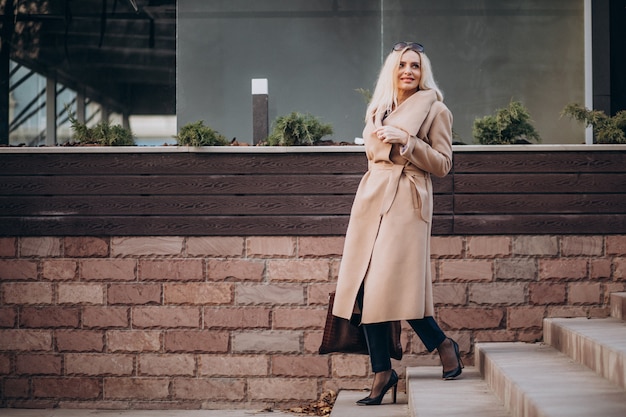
[(385, 97)]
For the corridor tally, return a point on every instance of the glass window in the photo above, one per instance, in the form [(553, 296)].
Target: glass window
[(316, 54)]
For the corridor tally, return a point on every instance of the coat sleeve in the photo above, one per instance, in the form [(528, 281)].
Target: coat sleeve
[(435, 157)]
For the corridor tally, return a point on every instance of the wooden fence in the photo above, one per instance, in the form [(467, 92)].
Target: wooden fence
[(527, 189)]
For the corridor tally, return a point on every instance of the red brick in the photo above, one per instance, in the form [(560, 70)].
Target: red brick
[(134, 294), (225, 389), (105, 317), (563, 269), (350, 366), (171, 270), (488, 246), (271, 246), (519, 269), (198, 293), (166, 365), (599, 269), (59, 269), (236, 269), (8, 316), (98, 364), (615, 245), (43, 364), (450, 294), (471, 318), (530, 336), (497, 293), (320, 246), (267, 341), (79, 340), (80, 293), (215, 246), (17, 269), (163, 317), (547, 293), (485, 336), (25, 340), (236, 318), (282, 389), (201, 341), (133, 341), (146, 246), (40, 246), (567, 311), (86, 247), (299, 318), (611, 288), (41, 317), (233, 366), (582, 245), (317, 294), (536, 245), (525, 317), (136, 388), (16, 388), (269, 294), (8, 247), (108, 269), (27, 293), (466, 270), (300, 366), (446, 247), (5, 364), (619, 265), (70, 388), (312, 341), (584, 293), (301, 270)]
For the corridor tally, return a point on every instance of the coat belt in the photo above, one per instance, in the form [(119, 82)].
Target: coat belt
[(394, 179)]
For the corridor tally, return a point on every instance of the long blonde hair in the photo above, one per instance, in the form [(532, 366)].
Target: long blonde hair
[(385, 97)]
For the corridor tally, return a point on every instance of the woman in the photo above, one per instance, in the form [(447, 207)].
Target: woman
[(385, 269)]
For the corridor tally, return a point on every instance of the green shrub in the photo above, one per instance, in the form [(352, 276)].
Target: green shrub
[(103, 133), (511, 124), (605, 129), (197, 134), (298, 129)]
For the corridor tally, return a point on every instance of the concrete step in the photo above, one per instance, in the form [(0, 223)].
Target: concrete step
[(535, 380), (599, 344), (618, 305), (467, 396), (345, 406)]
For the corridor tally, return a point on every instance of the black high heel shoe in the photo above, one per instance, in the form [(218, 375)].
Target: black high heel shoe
[(393, 382), (456, 371)]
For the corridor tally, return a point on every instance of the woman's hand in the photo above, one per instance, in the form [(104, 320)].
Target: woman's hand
[(390, 134)]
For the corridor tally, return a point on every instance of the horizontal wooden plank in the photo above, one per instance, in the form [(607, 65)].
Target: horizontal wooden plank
[(176, 205), (271, 205), (556, 161), (539, 203), (188, 226), (182, 163), (540, 183), (539, 224), (180, 185)]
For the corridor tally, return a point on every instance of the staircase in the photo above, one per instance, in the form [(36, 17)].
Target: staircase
[(579, 370)]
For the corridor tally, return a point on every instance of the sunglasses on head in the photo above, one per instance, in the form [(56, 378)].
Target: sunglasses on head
[(414, 46)]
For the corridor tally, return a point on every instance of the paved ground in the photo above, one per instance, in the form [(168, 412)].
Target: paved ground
[(8, 412)]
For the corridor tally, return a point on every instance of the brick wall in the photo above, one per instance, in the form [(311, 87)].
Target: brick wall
[(233, 322)]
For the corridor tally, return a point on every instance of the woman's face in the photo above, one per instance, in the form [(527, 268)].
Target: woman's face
[(409, 71)]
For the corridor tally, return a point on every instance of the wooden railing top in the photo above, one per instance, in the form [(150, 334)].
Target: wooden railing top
[(299, 149)]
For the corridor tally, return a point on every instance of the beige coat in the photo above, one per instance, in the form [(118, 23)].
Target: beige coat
[(387, 244)]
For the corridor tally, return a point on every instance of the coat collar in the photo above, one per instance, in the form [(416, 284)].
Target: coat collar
[(410, 115)]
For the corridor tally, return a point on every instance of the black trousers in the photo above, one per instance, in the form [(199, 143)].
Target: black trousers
[(377, 336)]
